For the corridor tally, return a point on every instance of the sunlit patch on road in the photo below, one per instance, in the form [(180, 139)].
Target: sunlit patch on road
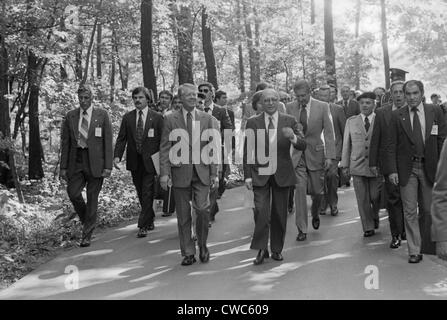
[(93, 253), (438, 289), (150, 276), (115, 239), (132, 292)]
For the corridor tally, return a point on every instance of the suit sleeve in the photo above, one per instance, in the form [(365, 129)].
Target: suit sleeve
[(375, 141), (300, 143), (442, 128), (121, 140), (108, 142), (214, 167), (390, 163), (225, 120), (165, 146), (346, 152), (439, 200), (248, 151), (341, 123), (65, 143), (329, 136)]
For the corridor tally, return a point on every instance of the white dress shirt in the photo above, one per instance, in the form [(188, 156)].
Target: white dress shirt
[(421, 115), (210, 111), (145, 111), (193, 114), (89, 116)]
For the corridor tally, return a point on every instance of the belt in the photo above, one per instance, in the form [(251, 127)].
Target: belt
[(418, 159)]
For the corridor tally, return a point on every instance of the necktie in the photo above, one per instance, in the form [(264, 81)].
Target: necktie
[(189, 128), (139, 133), (271, 125), (83, 131), (303, 118), (207, 109), (417, 134), (367, 124)]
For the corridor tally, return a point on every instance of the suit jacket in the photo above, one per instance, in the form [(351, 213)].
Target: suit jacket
[(356, 147), (181, 173), (339, 121), (380, 135), (285, 173), (439, 200), (353, 108), (221, 115), (318, 121), (150, 145), (100, 149), (400, 150)]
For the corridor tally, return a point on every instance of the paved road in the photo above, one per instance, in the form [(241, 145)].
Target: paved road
[(329, 265)]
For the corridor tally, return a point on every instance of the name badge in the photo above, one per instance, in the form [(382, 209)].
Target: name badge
[(150, 133), (98, 132), (434, 130)]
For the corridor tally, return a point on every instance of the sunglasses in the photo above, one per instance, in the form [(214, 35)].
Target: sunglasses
[(204, 90)]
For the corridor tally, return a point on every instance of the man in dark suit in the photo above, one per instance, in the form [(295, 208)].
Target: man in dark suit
[(185, 164), (221, 101), (270, 182), (141, 131), (379, 141), (417, 133), (439, 206), (332, 175), (350, 107), (224, 124), (86, 158)]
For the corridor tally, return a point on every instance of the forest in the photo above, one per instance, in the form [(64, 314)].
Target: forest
[(49, 47)]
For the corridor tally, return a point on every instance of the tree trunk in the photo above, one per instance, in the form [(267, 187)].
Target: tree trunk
[(312, 12), (241, 69), (147, 51), (208, 50), (257, 51), (386, 56), (251, 51), (78, 55), (99, 52), (5, 120), (35, 169), (357, 54), (313, 76), (92, 37), (185, 45), (303, 56), (329, 49)]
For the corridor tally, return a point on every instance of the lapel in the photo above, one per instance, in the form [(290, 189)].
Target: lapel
[(371, 126), (361, 125), (148, 123), (404, 116), (429, 118), (93, 121), (75, 122), (133, 122)]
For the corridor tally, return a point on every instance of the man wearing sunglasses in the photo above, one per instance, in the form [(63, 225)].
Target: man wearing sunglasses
[(224, 121)]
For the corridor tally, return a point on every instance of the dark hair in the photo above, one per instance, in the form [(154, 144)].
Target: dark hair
[(263, 85), (434, 95), (301, 84), (206, 84), (255, 99), (415, 82), (84, 88), (336, 89), (219, 94), (166, 92), (148, 93)]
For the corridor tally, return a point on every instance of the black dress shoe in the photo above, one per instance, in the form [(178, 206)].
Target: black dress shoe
[(204, 255), (334, 211), (376, 224), (85, 243), (415, 258), (277, 256), (395, 243), (188, 260), (403, 236), (166, 214), (262, 254), (316, 223), (369, 233), (142, 233), (301, 236), (151, 227)]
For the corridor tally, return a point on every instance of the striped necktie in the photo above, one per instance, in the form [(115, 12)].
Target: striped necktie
[(83, 131), (139, 133)]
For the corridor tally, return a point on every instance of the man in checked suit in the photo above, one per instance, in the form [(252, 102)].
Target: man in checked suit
[(310, 165), (189, 160), (417, 132), (141, 131), (86, 158), (270, 182)]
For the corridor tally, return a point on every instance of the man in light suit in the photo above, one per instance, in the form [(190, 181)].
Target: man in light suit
[(417, 133), (439, 206), (310, 165), (141, 131), (350, 107), (331, 176), (192, 171), (367, 184), (86, 158), (270, 182)]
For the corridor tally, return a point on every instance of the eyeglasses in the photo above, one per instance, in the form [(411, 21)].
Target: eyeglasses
[(204, 90)]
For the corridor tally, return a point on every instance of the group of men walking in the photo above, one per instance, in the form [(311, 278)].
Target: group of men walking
[(316, 144)]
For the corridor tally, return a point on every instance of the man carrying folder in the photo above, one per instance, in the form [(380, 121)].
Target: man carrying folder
[(141, 131)]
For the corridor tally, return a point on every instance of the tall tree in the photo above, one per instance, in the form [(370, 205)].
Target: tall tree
[(147, 51), (251, 49), (240, 49), (257, 48), (358, 9), (208, 50), (99, 51), (386, 56), (329, 48), (183, 17)]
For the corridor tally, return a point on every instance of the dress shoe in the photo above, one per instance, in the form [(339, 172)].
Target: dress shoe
[(151, 227), (204, 255), (301, 236), (188, 260), (376, 224), (415, 258), (322, 212), (166, 214), (290, 210), (395, 243), (369, 233), (142, 233), (277, 256), (403, 236), (262, 254), (85, 243), (316, 223), (334, 211)]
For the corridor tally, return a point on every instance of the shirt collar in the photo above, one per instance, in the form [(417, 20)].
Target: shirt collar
[(370, 117), (420, 108), (185, 112), (275, 116), (89, 111), (211, 106), (144, 111)]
